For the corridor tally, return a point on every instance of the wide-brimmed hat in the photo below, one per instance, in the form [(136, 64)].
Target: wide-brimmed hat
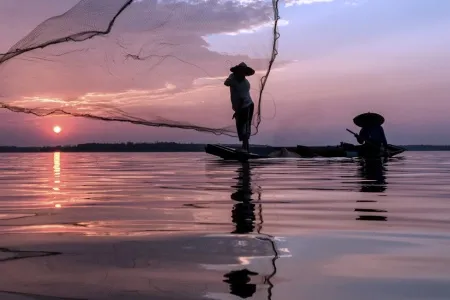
[(242, 66), (368, 119)]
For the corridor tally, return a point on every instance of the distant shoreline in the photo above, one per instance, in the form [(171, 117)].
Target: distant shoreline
[(163, 147)]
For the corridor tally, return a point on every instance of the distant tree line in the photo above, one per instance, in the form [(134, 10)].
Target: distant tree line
[(163, 147), (119, 147)]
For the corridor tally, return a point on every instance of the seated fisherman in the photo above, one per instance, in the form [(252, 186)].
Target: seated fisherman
[(372, 137)]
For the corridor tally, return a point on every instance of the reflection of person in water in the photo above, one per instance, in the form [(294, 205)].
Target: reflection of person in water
[(373, 172), (239, 282), (243, 214)]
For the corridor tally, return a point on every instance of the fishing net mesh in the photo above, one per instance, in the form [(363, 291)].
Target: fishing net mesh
[(147, 62)]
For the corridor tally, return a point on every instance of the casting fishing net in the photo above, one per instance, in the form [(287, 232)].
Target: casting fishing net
[(148, 62)]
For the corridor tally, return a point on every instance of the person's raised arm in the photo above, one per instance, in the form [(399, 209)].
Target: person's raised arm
[(229, 80)]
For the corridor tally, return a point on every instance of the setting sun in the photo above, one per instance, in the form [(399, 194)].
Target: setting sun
[(57, 129)]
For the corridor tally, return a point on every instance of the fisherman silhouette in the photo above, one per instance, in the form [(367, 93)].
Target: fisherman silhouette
[(241, 101)]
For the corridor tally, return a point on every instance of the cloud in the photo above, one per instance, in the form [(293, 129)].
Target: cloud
[(303, 2), (255, 28), (308, 2), (196, 17)]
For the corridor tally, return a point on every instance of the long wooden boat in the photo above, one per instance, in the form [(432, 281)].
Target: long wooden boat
[(342, 150)]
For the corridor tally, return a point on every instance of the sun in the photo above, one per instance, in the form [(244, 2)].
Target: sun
[(57, 129)]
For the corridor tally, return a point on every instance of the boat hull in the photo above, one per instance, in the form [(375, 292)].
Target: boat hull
[(344, 150)]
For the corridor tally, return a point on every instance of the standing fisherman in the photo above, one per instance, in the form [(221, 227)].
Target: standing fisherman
[(241, 101)]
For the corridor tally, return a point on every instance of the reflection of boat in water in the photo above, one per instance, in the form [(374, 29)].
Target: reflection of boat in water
[(373, 175)]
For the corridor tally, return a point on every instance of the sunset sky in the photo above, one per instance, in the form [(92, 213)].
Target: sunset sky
[(336, 59)]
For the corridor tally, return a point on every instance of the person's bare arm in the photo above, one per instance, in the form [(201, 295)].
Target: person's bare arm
[(229, 80)]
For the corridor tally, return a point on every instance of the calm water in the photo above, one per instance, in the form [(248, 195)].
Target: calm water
[(187, 226)]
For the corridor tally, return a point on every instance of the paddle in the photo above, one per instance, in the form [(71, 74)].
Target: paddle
[(387, 150), (355, 134), (392, 151), (389, 145)]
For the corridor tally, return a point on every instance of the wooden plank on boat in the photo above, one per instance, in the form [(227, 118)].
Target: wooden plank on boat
[(228, 153)]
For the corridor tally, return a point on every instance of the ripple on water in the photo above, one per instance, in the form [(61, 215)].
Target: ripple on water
[(319, 223)]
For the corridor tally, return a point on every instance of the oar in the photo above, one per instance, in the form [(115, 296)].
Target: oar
[(357, 135), (389, 145)]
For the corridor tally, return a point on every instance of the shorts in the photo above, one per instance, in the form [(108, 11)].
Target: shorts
[(244, 119)]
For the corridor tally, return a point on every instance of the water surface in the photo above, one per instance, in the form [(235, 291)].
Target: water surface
[(188, 226)]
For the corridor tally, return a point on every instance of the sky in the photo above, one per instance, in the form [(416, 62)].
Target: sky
[(336, 59)]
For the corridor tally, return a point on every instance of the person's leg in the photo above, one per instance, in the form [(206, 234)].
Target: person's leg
[(248, 123), (239, 130), (245, 134), (245, 145), (246, 116), (243, 125)]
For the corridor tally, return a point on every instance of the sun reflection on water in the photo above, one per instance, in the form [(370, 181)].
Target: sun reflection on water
[(57, 177)]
